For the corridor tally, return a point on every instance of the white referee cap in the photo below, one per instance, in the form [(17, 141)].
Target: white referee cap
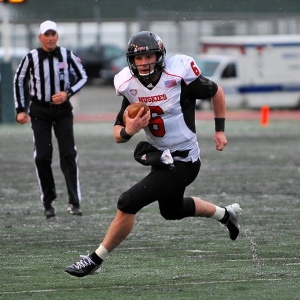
[(48, 25)]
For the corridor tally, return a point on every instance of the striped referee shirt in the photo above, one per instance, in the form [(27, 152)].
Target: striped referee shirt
[(42, 74)]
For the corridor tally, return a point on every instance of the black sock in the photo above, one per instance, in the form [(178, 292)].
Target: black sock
[(96, 259), (225, 218)]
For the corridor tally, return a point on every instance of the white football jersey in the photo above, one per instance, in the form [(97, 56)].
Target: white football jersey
[(168, 127)]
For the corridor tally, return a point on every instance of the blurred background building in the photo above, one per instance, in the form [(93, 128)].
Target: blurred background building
[(180, 24), (98, 31)]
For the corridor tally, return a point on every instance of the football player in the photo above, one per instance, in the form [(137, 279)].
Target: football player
[(170, 88)]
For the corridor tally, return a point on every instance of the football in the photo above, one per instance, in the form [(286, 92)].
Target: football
[(133, 110)]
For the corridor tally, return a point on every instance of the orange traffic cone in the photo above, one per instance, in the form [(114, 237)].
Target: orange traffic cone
[(264, 115)]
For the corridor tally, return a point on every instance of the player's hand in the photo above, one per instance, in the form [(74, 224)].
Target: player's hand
[(134, 125), (220, 140), (59, 98), (22, 118)]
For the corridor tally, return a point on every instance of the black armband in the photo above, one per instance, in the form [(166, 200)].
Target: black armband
[(124, 134), (220, 124)]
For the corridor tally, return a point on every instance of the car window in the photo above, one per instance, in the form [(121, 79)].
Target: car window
[(230, 71), (95, 50), (112, 51), (207, 67)]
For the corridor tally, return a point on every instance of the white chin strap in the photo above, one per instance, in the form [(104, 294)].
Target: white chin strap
[(147, 73)]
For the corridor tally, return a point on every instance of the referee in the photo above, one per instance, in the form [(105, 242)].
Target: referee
[(44, 82)]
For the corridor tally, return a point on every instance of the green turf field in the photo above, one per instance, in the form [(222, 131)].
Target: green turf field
[(189, 259)]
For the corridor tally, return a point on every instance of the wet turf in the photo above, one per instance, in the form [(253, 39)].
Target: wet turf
[(188, 259)]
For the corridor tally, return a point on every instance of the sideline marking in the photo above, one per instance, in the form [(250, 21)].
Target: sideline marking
[(158, 285)]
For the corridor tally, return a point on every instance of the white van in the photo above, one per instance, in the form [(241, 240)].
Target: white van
[(254, 70)]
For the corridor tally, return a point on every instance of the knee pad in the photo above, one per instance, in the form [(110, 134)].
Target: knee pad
[(170, 215), (125, 205), (187, 209)]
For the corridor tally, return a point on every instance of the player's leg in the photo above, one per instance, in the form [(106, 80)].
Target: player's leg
[(176, 206), (227, 216), (154, 186), (118, 230), (208, 210)]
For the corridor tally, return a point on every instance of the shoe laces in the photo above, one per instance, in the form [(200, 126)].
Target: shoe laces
[(84, 262)]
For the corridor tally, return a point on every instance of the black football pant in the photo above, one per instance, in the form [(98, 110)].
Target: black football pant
[(167, 186), (60, 118)]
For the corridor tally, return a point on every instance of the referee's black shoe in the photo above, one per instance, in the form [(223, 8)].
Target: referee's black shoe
[(49, 212), (74, 210)]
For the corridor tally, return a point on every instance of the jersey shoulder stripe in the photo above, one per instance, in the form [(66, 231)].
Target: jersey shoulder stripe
[(122, 78), (182, 66)]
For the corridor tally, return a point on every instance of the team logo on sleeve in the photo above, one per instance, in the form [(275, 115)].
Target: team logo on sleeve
[(133, 92)]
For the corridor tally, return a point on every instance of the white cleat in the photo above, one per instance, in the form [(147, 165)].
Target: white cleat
[(232, 224)]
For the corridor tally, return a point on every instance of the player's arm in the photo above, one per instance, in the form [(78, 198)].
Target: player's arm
[(219, 109), (120, 126), (203, 88), (123, 134)]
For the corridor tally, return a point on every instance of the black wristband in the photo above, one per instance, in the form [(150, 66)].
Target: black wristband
[(124, 134), (220, 124), (69, 94)]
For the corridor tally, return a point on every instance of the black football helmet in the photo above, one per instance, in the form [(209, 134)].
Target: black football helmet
[(142, 43)]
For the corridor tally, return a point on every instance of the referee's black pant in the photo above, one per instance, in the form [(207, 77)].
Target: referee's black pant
[(60, 118)]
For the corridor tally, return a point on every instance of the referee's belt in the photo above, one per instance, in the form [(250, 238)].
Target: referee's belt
[(51, 104)]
